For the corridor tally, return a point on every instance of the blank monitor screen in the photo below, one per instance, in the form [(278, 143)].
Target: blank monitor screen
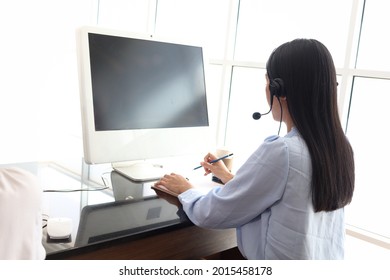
[(140, 84)]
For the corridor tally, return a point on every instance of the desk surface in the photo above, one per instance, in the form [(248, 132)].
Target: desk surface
[(117, 218)]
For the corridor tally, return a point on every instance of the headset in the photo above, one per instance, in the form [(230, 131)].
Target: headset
[(276, 88)]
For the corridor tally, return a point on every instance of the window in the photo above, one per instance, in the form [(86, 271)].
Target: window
[(131, 15), (195, 21), (374, 45), (367, 121), (264, 25), (40, 113)]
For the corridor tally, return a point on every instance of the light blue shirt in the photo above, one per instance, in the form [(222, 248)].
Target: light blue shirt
[(269, 203)]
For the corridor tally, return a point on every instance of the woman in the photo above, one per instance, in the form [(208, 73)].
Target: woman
[(286, 201)]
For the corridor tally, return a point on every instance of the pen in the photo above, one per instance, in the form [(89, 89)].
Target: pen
[(215, 160)]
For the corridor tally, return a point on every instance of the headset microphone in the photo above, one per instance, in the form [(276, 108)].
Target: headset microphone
[(257, 115)]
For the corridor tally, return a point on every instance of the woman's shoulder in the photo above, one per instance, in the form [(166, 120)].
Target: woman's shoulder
[(273, 149), (293, 133), (292, 142)]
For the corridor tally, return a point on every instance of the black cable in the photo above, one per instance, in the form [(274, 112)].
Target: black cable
[(44, 220), (281, 116)]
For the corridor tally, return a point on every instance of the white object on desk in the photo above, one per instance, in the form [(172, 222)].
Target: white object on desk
[(139, 171), (59, 228)]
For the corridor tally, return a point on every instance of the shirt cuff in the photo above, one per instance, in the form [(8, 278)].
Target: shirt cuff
[(190, 195)]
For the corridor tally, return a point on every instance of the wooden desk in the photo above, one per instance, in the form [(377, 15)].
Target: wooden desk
[(188, 243)]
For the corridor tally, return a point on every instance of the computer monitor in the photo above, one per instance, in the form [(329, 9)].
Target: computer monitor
[(141, 98)]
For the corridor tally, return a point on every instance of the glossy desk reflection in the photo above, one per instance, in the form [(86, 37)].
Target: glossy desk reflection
[(111, 220)]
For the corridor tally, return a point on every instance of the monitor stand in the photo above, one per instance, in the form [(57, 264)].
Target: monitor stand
[(139, 171)]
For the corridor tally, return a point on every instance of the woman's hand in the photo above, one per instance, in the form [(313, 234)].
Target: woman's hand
[(175, 183), (218, 168)]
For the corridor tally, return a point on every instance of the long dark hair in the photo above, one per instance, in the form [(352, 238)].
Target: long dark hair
[(309, 83)]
